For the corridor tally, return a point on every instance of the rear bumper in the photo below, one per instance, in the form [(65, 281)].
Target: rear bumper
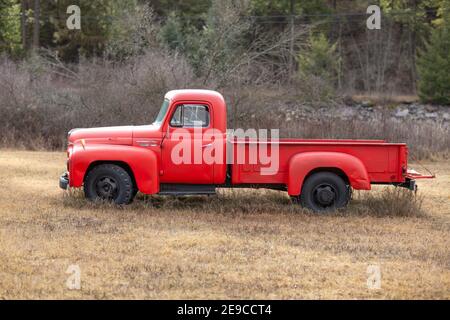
[(410, 179), (64, 181)]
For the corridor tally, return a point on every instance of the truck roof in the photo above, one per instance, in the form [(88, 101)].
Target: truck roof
[(195, 94)]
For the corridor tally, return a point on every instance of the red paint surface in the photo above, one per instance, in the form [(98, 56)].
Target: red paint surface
[(146, 150)]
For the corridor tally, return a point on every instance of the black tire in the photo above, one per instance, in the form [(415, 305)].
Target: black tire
[(109, 182), (324, 191), (134, 193)]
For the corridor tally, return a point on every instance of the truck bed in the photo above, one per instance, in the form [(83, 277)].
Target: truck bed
[(385, 162)]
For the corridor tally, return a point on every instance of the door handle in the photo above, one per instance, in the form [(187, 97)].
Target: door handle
[(207, 145), (148, 143)]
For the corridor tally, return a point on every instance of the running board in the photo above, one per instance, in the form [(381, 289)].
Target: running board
[(187, 189)]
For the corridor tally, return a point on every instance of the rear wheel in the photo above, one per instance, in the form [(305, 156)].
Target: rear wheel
[(109, 182), (324, 191)]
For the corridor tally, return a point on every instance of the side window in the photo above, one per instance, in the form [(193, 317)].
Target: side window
[(190, 115)]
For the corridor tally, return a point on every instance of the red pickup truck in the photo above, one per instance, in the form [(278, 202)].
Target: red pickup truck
[(188, 150)]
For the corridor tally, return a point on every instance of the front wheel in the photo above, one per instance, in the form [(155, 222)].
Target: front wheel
[(324, 191), (109, 182)]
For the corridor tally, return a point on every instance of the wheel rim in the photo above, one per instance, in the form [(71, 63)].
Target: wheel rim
[(325, 195), (106, 188)]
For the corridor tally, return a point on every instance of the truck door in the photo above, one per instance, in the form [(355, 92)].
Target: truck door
[(182, 148)]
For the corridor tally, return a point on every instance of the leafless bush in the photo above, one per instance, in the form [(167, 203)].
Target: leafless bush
[(132, 93), (316, 90), (425, 140), (41, 100), (235, 50), (22, 118), (391, 202), (262, 108)]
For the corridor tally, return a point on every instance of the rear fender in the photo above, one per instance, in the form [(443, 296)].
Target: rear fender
[(300, 165), (142, 162)]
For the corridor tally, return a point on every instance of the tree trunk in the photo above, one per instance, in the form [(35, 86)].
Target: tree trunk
[(412, 42), (36, 29), (23, 23), (291, 45)]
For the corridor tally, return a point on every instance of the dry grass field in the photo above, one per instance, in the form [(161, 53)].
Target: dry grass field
[(241, 244)]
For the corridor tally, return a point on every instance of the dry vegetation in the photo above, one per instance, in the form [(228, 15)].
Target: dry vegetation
[(242, 244), (42, 100)]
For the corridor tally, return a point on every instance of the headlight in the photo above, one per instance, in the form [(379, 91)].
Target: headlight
[(69, 149)]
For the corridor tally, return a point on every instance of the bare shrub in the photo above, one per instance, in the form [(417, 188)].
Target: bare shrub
[(315, 90), (132, 93), (424, 141), (22, 119), (40, 100), (271, 107), (391, 202)]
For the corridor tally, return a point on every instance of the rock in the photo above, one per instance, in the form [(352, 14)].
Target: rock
[(347, 112), (430, 108), (402, 113), (431, 115), (446, 116), (420, 110), (413, 108), (367, 104), (308, 108)]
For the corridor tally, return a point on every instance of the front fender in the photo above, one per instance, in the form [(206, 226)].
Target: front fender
[(143, 163), (300, 165)]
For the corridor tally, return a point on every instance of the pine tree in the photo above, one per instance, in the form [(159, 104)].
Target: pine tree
[(321, 60), (434, 67), (9, 26)]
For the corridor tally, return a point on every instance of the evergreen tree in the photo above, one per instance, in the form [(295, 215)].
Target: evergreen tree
[(318, 69), (320, 60), (10, 39), (434, 66)]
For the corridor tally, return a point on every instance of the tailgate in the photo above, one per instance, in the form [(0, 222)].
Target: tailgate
[(414, 175)]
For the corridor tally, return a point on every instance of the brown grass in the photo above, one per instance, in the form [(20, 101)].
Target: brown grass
[(241, 244)]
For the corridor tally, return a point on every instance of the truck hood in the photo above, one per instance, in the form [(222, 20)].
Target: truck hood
[(115, 135)]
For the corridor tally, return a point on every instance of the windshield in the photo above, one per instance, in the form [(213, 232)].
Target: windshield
[(162, 112)]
